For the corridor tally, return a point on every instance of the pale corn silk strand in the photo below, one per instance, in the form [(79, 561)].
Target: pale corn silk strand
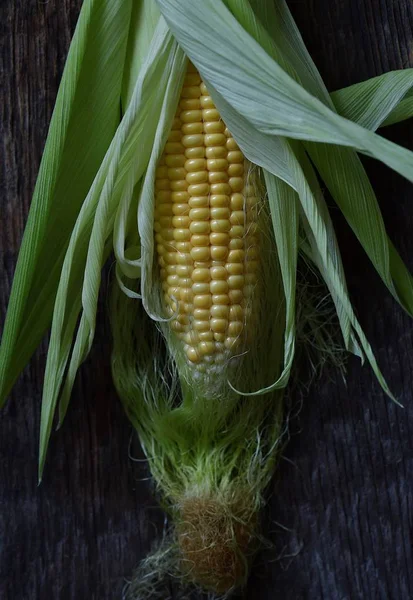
[(217, 277)]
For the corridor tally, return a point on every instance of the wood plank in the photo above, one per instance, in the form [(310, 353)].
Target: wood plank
[(341, 506)]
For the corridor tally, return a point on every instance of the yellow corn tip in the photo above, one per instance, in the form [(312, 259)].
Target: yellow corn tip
[(205, 229)]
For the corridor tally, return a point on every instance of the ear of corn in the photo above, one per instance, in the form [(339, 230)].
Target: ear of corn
[(206, 225)]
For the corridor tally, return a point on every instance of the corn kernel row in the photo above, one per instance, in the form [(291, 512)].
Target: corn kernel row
[(205, 229)]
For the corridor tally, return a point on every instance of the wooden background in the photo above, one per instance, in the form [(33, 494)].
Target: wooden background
[(341, 511)]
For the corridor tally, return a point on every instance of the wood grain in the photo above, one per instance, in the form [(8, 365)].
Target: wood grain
[(340, 516)]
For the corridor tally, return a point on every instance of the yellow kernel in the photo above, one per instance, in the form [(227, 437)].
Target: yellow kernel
[(203, 88), (219, 200), (185, 271), (236, 256), (219, 325), (206, 102), (199, 189), (237, 231), (237, 202), (192, 128), (180, 197), (163, 196), (183, 247), (237, 217), (220, 311), (191, 92), (200, 240), (170, 258), (206, 336), (200, 253), (175, 160), (180, 209), (219, 239), (236, 244), (181, 222), (218, 177), (219, 287), (236, 183), (201, 314), (168, 234), (162, 184), (217, 164), (220, 188), (192, 77), (201, 274), (193, 355), (197, 177), (220, 213), (162, 172), (236, 313), (220, 226), (221, 299), (195, 164), (176, 124), (231, 343), (182, 258), (210, 114), (219, 337), (191, 141), (219, 252), (235, 156), (236, 170), (202, 301), (174, 136), (191, 116), (214, 127), (186, 295), (216, 152), (172, 280), (174, 148), (192, 338), (235, 282), (179, 186), (182, 235), (200, 288), (214, 139), (199, 202), (200, 227), (197, 152), (236, 296), (201, 325), (235, 328), (199, 214), (164, 210), (177, 327), (235, 268), (206, 348), (232, 144), (160, 249), (190, 104), (218, 273), (165, 221)]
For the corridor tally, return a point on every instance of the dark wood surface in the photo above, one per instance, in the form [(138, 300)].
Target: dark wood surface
[(340, 516)]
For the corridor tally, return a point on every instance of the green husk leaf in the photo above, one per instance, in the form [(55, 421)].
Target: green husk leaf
[(144, 20), (260, 90), (122, 168), (340, 167), (87, 106), (379, 101)]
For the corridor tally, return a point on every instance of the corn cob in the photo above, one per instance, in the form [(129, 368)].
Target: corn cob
[(205, 226)]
